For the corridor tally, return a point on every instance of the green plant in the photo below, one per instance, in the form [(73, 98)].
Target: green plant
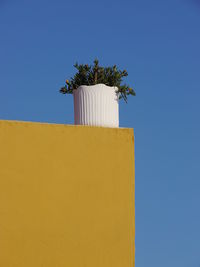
[(91, 75)]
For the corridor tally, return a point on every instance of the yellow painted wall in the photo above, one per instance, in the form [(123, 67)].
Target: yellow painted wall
[(66, 196)]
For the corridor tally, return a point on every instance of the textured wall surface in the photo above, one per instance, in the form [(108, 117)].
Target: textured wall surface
[(66, 196)]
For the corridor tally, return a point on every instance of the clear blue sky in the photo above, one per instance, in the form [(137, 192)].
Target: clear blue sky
[(158, 42)]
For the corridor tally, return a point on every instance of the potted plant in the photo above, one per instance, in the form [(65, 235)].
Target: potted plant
[(96, 91)]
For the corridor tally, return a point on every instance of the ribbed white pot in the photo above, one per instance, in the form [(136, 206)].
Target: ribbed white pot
[(96, 105)]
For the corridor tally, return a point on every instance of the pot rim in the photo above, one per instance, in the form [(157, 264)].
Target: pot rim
[(96, 85)]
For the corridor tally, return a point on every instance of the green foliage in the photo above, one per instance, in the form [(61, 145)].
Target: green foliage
[(91, 75)]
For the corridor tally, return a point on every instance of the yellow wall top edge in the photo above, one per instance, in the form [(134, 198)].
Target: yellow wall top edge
[(57, 124)]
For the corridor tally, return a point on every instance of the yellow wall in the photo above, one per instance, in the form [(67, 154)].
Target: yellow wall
[(66, 196)]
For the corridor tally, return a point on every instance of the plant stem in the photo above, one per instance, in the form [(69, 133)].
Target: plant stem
[(95, 77)]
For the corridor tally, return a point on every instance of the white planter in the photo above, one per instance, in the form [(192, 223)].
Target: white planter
[(96, 105)]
